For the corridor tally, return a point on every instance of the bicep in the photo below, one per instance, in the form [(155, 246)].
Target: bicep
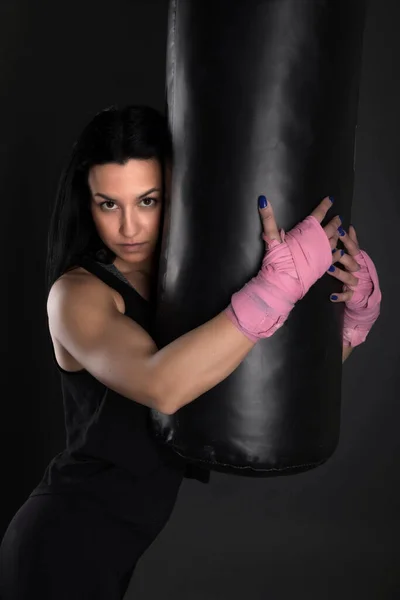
[(109, 345)]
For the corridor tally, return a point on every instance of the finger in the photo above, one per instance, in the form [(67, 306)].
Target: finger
[(344, 276), (351, 246), (343, 297), (336, 255), (320, 211), (331, 229), (345, 259), (353, 235), (268, 220), (333, 241)]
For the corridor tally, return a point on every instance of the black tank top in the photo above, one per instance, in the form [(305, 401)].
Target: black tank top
[(110, 451)]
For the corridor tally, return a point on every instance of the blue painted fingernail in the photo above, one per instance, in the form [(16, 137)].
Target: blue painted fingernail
[(341, 231), (331, 198), (341, 252), (333, 297), (262, 202), (331, 268), (334, 250)]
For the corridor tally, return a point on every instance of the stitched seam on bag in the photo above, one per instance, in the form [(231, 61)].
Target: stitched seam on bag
[(237, 467)]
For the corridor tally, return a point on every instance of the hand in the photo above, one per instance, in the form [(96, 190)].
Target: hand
[(305, 252), (349, 261), (292, 263), (271, 231), (361, 291)]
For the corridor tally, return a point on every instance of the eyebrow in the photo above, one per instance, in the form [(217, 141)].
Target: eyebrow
[(109, 199)]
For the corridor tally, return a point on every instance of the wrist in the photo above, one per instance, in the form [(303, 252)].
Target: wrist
[(252, 326)]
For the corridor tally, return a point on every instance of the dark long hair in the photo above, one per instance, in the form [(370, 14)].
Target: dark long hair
[(113, 136)]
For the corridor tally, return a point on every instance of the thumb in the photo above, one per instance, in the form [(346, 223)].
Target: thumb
[(270, 227)]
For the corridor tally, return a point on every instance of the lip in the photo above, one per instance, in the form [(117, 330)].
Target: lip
[(133, 245)]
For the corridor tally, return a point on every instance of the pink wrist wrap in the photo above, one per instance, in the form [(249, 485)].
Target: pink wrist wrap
[(288, 271), (363, 309)]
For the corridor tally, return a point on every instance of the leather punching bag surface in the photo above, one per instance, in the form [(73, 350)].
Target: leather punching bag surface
[(262, 99)]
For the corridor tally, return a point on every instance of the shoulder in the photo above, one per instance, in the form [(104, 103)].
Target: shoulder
[(78, 287), (78, 301)]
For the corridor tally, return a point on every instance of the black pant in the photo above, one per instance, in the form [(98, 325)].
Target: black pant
[(64, 547)]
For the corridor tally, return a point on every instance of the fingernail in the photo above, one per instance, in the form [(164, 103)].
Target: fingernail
[(341, 252), (334, 297), (262, 202), (331, 268), (341, 231), (334, 250), (331, 198)]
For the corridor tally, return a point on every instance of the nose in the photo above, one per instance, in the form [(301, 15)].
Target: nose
[(128, 226)]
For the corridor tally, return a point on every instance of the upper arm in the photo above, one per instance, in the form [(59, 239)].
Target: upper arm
[(83, 317)]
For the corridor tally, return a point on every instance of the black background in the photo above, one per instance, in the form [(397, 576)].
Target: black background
[(327, 534)]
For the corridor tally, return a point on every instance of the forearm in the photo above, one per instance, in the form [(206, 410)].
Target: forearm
[(200, 359), (346, 351), (197, 361)]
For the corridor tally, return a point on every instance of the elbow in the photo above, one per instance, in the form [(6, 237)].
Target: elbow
[(158, 392), (163, 405), (165, 408), (164, 400), (168, 410)]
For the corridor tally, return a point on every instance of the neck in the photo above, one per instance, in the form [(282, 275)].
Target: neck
[(144, 270)]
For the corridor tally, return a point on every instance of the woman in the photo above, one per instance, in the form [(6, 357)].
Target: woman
[(106, 497)]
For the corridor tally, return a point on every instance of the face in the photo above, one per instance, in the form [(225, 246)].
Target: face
[(126, 203)]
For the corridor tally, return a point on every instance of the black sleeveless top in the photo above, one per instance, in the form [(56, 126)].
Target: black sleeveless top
[(110, 451)]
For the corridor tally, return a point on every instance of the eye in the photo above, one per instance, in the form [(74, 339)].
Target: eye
[(153, 199), (103, 205)]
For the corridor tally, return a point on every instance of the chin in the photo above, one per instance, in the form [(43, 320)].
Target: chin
[(134, 257)]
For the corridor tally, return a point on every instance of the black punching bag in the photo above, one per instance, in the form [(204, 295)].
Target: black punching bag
[(262, 99)]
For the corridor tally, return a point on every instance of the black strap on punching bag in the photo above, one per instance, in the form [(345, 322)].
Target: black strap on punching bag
[(262, 99)]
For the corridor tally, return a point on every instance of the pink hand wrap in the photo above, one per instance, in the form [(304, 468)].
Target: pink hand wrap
[(363, 309), (288, 271)]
